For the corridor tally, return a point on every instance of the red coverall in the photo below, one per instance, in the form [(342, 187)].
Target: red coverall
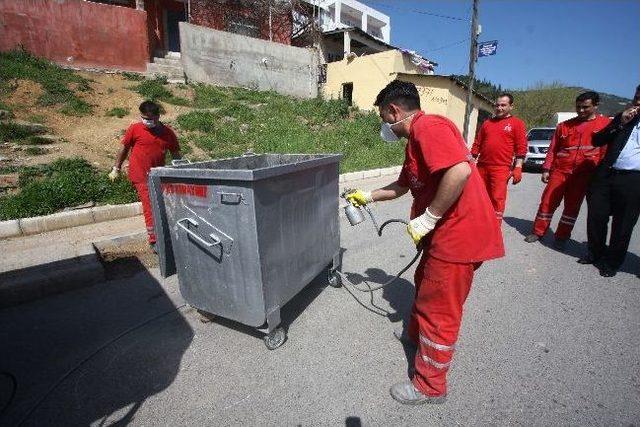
[(148, 150), (453, 250), (498, 141), (571, 160)]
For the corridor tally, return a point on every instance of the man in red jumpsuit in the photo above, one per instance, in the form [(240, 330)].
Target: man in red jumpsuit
[(148, 140), (499, 140), (450, 210), (567, 169)]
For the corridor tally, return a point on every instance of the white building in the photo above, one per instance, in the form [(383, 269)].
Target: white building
[(339, 14)]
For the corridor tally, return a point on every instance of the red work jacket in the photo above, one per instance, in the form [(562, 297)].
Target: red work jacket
[(571, 149), (468, 232)]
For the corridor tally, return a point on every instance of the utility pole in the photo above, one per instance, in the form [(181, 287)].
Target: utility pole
[(473, 57)]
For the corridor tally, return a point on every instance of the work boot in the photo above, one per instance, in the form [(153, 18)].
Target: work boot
[(560, 244), (404, 338), (407, 394), (532, 238), (607, 271)]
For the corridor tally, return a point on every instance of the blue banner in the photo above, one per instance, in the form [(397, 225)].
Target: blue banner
[(487, 48)]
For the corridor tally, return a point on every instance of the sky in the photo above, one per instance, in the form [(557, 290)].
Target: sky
[(586, 43)]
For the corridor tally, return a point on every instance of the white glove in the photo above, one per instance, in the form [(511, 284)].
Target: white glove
[(114, 174), (421, 226)]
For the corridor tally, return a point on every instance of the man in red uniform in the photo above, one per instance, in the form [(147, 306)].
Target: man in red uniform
[(498, 141), (567, 169), (450, 209), (148, 140)]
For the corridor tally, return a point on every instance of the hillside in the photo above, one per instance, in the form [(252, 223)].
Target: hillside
[(60, 130), (536, 106)]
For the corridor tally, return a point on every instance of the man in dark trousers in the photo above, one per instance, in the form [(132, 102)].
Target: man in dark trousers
[(615, 191)]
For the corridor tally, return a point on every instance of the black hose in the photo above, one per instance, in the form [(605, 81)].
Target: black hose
[(379, 230)]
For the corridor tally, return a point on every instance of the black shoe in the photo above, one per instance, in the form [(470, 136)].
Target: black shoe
[(532, 238), (588, 259), (606, 271), (560, 244)]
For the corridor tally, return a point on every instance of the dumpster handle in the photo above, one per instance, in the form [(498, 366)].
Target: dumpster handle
[(216, 239)]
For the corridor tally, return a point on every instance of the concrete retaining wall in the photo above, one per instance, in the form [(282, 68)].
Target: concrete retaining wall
[(227, 59)]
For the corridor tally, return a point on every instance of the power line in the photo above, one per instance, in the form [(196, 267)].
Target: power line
[(448, 45), (422, 12)]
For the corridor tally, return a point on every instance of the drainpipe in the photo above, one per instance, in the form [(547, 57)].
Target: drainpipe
[(189, 11)]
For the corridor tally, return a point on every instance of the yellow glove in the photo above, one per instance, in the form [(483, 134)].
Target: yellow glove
[(114, 174), (421, 226), (358, 197)]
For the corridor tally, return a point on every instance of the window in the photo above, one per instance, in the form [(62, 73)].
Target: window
[(347, 93), (540, 134)]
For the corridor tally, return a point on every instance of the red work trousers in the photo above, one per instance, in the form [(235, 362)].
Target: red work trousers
[(143, 195), (571, 187), (441, 290), (495, 180)]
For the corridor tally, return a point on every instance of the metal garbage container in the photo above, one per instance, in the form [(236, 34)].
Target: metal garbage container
[(246, 234)]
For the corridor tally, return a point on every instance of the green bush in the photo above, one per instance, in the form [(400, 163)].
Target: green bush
[(155, 90), (203, 121), (15, 132), (118, 112), (46, 189), (55, 81)]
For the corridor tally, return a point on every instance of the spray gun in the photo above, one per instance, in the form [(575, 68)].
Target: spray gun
[(355, 216)]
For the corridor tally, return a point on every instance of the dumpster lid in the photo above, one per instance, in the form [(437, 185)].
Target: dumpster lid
[(249, 167)]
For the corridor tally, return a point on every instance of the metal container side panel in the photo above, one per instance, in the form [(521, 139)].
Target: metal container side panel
[(223, 279), (161, 227), (298, 230)]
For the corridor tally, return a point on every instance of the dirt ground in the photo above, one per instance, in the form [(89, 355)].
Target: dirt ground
[(95, 137)]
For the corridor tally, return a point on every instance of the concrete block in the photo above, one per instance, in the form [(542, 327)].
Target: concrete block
[(228, 59), (112, 212), (56, 221), (373, 173), (10, 228)]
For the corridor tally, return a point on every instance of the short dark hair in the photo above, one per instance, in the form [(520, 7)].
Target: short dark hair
[(401, 93), (590, 95), (637, 88), (149, 107), (508, 95)]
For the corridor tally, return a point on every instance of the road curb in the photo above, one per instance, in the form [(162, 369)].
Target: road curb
[(60, 220), (32, 283)]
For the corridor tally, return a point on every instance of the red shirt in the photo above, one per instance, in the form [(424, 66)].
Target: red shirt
[(148, 148), (571, 149), (468, 231), (499, 140)]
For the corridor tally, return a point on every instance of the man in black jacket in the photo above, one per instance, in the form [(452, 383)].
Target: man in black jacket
[(615, 191)]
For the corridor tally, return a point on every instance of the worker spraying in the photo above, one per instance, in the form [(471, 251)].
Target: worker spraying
[(452, 219)]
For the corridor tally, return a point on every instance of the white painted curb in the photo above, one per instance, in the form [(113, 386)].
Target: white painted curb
[(60, 220), (57, 221)]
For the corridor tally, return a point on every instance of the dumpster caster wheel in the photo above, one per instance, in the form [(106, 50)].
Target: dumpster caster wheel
[(275, 338), (333, 280)]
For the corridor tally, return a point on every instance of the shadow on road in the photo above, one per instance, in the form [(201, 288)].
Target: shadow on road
[(573, 248), (68, 369)]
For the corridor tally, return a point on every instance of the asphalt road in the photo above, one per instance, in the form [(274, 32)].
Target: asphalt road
[(545, 341)]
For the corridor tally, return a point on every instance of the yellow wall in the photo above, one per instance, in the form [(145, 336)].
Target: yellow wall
[(371, 73)]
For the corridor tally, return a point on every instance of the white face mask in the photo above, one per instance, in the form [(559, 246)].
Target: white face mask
[(387, 134), (149, 123)]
